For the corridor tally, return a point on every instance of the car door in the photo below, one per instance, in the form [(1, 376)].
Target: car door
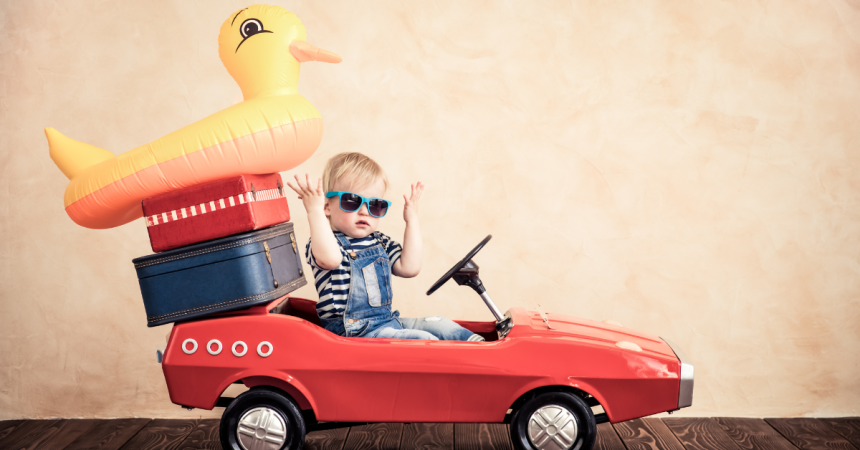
[(399, 380)]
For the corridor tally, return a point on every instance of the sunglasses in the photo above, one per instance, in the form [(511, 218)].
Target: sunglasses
[(350, 202)]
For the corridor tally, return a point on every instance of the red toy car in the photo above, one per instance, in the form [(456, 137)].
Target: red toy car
[(552, 377)]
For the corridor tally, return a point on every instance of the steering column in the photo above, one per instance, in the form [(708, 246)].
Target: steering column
[(465, 272)]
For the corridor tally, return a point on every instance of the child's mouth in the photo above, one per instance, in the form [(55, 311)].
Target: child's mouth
[(362, 223)]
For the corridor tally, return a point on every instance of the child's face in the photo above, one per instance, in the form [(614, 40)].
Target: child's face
[(356, 224)]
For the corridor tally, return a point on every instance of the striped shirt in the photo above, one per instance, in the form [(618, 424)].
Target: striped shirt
[(333, 285)]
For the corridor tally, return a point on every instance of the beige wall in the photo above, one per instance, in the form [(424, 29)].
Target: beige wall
[(687, 168)]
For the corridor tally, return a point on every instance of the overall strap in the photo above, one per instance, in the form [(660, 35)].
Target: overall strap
[(347, 246), (344, 242)]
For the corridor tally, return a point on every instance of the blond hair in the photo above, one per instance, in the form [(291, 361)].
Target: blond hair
[(363, 171)]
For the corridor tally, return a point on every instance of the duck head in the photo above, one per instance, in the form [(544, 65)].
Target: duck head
[(263, 46)]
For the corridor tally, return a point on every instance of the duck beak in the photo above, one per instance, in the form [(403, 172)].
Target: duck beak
[(303, 52)]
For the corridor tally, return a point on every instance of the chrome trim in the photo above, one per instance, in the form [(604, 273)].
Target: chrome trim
[(685, 391), (504, 327)]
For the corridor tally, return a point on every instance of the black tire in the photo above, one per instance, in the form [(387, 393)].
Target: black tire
[(586, 428), (272, 404)]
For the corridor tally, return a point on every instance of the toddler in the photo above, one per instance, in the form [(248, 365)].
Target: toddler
[(352, 263)]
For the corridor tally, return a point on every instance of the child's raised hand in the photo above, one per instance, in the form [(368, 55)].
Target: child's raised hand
[(410, 208), (312, 198)]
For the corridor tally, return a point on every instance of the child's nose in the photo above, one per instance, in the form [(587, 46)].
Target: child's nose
[(363, 210)]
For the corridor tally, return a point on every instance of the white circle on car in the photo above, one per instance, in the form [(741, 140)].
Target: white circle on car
[(209, 347), (185, 343), (260, 349), (244, 349), (627, 345)]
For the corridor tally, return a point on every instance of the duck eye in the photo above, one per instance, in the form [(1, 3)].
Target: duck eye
[(251, 27)]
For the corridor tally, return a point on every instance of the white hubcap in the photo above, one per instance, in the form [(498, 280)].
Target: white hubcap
[(261, 429), (552, 427)]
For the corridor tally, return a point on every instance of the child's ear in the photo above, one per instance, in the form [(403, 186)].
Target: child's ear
[(327, 208)]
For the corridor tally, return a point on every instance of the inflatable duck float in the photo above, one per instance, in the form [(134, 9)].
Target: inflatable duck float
[(272, 130)]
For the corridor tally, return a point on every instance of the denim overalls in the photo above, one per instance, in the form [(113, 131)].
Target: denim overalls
[(368, 306)]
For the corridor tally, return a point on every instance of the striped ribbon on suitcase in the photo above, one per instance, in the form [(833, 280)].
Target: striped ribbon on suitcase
[(214, 205)]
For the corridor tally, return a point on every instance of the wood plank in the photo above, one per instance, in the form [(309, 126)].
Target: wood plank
[(161, 434), (482, 436), (25, 432), (58, 435), (427, 436), (607, 438), (810, 434), (108, 434), (698, 433), (8, 426), (668, 433), (326, 439), (647, 434), (847, 427), (381, 436), (753, 434), (206, 436)]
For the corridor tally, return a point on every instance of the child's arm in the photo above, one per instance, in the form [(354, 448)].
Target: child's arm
[(409, 263), (324, 245)]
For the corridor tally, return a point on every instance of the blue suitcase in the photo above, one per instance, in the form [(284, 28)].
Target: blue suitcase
[(220, 275)]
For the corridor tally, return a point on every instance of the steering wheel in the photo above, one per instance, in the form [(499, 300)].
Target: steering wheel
[(460, 265)]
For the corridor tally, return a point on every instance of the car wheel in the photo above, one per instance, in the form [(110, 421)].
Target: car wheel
[(262, 419), (553, 421)]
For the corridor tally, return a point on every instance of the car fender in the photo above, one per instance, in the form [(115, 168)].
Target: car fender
[(554, 384), (286, 383), (198, 378)]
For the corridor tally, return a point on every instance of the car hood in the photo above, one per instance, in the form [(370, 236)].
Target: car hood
[(531, 323)]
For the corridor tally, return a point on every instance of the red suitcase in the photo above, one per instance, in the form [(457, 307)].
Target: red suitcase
[(215, 210)]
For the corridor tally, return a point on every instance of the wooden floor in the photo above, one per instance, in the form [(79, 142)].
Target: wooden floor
[(670, 433)]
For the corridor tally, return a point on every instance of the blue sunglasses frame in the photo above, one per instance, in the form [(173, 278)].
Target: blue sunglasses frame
[(364, 200)]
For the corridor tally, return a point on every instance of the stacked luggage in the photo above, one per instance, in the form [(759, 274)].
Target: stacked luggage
[(219, 246)]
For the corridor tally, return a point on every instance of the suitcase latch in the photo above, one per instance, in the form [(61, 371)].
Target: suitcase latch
[(280, 188), (268, 255), (254, 192), (296, 251)]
